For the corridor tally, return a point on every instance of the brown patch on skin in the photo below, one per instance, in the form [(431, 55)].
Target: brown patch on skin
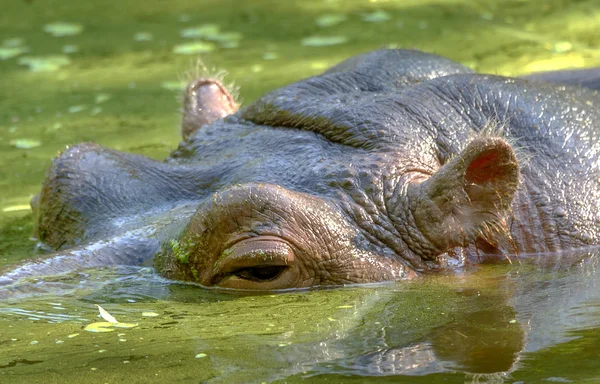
[(205, 100)]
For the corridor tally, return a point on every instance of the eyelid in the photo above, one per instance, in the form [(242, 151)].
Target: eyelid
[(255, 252)]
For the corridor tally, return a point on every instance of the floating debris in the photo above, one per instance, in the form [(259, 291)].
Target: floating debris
[(323, 41), (201, 32), (59, 341), (331, 19), (34, 342), (212, 32), (15, 208), (143, 36), (105, 326), (61, 29), (230, 44), (76, 108), (25, 143), (173, 85), (200, 355), (100, 327), (106, 316), (45, 63), (150, 314), (101, 98), (109, 325), (270, 56), (70, 48), (72, 335), (193, 48), (10, 52), (562, 47), (378, 16), (13, 42), (225, 37)]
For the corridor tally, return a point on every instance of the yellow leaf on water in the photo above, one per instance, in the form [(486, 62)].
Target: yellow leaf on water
[(105, 326), (106, 316), (100, 327), (14, 208)]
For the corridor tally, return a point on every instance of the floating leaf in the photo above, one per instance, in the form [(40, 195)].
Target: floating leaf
[(70, 48), (101, 98), (45, 63), (76, 108), (562, 47), (193, 48), (13, 42), (143, 36), (10, 52), (25, 143), (201, 31), (323, 41), (106, 316), (150, 314), (375, 17), (15, 208), (230, 44), (329, 20), (104, 326), (174, 85), (99, 327), (225, 37), (270, 56), (60, 29)]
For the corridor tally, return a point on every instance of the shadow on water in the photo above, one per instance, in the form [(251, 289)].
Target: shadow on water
[(495, 323)]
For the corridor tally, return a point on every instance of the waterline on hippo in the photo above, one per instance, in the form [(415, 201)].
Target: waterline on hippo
[(383, 168)]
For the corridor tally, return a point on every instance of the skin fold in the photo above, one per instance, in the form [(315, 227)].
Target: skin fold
[(389, 165)]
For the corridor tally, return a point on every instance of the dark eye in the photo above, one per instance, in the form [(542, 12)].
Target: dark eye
[(265, 273)]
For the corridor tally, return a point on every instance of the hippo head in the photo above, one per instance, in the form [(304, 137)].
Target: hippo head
[(368, 172)]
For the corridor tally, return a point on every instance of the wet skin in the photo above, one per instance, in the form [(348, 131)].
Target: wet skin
[(389, 165)]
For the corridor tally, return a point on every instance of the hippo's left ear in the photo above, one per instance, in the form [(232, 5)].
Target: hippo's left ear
[(468, 197), (205, 100)]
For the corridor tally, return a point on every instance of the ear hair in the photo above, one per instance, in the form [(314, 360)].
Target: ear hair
[(199, 70), (494, 127)]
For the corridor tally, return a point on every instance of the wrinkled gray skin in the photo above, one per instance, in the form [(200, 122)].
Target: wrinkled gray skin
[(388, 165)]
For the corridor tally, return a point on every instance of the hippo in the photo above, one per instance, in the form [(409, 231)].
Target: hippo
[(390, 165)]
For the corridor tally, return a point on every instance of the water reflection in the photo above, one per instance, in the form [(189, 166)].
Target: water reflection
[(484, 323)]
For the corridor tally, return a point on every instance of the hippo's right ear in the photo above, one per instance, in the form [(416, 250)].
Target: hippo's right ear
[(204, 101), (467, 198)]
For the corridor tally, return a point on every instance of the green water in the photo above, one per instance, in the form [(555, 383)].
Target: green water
[(114, 79)]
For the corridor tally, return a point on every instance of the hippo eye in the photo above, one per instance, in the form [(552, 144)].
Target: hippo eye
[(266, 273)]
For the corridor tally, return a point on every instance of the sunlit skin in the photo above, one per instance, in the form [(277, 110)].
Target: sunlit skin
[(389, 165)]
